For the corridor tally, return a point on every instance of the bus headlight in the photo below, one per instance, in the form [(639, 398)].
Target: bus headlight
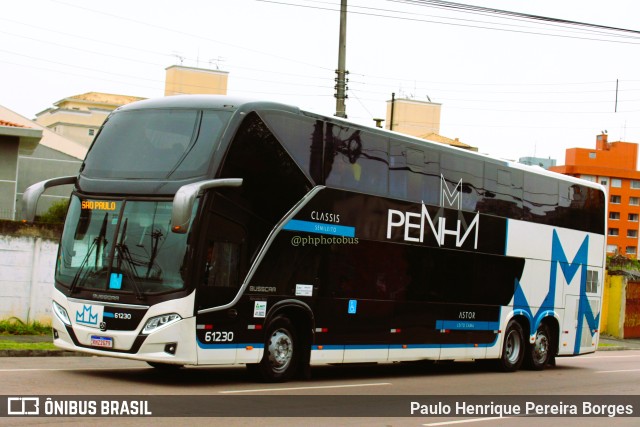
[(158, 322), (61, 313)]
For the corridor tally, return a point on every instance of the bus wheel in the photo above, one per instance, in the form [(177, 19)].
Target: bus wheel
[(539, 352), (513, 348), (280, 359)]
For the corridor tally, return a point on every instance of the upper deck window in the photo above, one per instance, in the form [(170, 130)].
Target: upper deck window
[(155, 144)]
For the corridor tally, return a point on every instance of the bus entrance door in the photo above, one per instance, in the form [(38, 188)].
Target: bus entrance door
[(218, 329)]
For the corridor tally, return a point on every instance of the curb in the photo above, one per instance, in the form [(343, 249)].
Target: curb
[(612, 348), (616, 348)]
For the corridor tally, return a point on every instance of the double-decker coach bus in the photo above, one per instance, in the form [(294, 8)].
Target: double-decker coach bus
[(206, 230)]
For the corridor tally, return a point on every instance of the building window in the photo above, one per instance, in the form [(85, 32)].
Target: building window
[(589, 178), (634, 201), (616, 200), (631, 250), (604, 181), (613, 232), (612, 249), (592, 155), (632, 217), (592, 281), (615, 215), (632, 233), (616, 182), (635, 185)]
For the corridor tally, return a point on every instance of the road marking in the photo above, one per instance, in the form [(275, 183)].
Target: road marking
[(304, 388), (614, 372), (471, 420)]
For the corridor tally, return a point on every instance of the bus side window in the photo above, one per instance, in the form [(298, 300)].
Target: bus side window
[(358, 160), (221, 266)]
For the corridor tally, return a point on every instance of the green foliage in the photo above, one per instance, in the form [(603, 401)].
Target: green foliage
[(619, 262), (56, 213), (15, 326), (14, 345)]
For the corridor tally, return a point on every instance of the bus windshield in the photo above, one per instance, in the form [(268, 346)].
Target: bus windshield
[(155, 144), (121, 245)]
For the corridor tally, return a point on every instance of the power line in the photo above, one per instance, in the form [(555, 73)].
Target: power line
[(184, 33), (486, 10), (95, 70), (481, 27), (120, 46)]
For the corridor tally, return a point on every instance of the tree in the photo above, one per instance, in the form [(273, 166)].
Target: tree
[(56, 213)]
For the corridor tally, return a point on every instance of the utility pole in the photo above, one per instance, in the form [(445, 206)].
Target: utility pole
[(393, 104), (341, 79)]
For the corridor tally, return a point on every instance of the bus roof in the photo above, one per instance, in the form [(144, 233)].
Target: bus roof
[(231, 103), (207, 102)]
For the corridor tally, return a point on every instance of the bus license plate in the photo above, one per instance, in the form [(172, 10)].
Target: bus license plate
[(97, 341)]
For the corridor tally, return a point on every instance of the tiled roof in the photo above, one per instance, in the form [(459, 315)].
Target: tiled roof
[(444, 140), (49, 139), (105, 98), (10, 124)]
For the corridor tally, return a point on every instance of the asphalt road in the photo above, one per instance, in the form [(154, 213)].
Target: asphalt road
[(604, 373)]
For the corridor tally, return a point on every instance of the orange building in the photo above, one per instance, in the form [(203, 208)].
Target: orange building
[(613, 165)]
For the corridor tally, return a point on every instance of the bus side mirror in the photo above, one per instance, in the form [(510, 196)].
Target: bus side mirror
[(32, 194), (186, 196)]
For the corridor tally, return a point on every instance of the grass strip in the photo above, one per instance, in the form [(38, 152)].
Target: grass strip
[(15, 326), (14, 345)]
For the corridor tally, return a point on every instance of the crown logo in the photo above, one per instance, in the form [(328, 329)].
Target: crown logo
[(86, 316)]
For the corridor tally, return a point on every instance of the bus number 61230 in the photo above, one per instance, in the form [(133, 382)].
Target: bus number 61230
[(218, 336)]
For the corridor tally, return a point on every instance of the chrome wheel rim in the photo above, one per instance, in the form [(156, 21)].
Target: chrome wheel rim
[(280, 350), (541, 348), (513, 344)]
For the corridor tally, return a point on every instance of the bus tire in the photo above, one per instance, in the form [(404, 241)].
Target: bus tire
[(513, 349), (539, 353), (281, 352)]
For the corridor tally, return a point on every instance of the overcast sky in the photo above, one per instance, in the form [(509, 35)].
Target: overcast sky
[(511, 87)]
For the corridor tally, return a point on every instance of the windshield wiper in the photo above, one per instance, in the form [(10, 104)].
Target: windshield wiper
[(124, 255), (79, 278), (156, 235)]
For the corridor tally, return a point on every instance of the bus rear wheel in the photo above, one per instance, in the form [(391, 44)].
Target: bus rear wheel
[(513, 348), (539, 353), (281, 352)]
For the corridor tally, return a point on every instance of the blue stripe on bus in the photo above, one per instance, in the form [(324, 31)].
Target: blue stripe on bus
[(423, 346), (409, 346), (327, 347), (228, 346), (351, 347), (107, 314), (320, 228), (398, 346), (467, 325), (506, 237)]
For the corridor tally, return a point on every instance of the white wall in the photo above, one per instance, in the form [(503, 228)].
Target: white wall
[(26, 278)]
